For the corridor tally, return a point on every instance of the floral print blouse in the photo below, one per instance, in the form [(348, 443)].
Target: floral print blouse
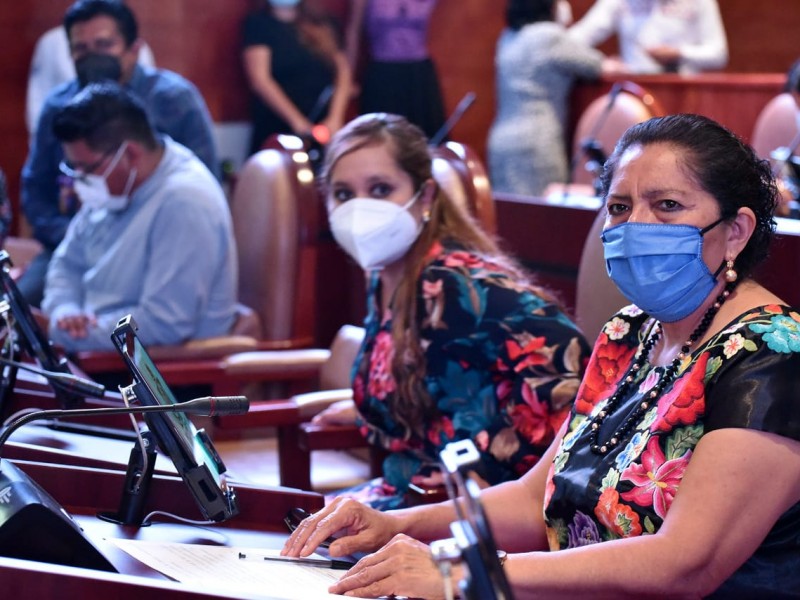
[(503, 366), (745, 376)]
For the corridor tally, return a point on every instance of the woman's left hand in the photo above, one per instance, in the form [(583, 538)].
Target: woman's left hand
[(403, 567)]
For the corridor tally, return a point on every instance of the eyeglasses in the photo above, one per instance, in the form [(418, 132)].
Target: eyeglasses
[(81, 173)]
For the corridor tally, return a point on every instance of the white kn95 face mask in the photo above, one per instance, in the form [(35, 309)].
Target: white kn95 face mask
[(375, 233)]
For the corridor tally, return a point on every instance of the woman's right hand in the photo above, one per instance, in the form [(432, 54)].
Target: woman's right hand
[(358, 528)]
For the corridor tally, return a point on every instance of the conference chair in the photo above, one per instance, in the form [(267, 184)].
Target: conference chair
[(462, 175), (776, 126), (776, 137), (599, 127), (596, 296)]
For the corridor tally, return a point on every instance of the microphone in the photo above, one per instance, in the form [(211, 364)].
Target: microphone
[(319, 106), (67, 382), (464, 104), (208, 406), (784, 154)]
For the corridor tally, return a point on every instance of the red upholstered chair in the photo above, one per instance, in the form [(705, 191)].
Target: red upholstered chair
[(460, 172), (775, 138), (596, 296), (776, 125)]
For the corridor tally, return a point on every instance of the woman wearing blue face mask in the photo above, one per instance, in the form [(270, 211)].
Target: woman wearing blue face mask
[(678, 471), (459, 343)]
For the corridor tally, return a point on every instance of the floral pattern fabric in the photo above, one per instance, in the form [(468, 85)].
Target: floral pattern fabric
[(739, 378), (503, 366)]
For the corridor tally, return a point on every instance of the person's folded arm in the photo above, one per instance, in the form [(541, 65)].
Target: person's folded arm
[(598, 24), (341, 94), (711, 52)]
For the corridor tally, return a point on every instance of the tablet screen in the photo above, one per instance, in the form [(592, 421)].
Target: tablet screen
[(191, 450)]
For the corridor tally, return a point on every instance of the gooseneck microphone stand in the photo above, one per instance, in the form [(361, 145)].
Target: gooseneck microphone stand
[(472, 543), (33, 526), (590, 147), (461, 108)]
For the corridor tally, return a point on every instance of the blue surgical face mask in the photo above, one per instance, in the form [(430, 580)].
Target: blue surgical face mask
[(660, 267)]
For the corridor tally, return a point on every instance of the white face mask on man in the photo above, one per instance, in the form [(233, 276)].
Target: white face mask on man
[(92, 189), (375, 233)]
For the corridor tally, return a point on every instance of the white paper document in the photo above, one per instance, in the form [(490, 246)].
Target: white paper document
[(220, 567)]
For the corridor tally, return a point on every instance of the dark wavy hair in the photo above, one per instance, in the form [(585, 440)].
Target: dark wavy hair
[(85, 10), (104, 115), (721, 164)]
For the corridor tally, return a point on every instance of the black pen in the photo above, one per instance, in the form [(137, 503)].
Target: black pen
[(308, 561)]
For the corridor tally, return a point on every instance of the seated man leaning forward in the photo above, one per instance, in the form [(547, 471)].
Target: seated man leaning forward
[(153, 236)]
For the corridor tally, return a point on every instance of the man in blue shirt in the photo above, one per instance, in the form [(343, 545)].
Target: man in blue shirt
[(104, 42), (153, 236)]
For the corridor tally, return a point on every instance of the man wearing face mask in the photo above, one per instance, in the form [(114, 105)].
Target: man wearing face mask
[(52, 65), (152, 238), (104, 43)]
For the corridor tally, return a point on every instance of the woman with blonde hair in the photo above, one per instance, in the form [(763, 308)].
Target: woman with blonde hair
[(459, 342)]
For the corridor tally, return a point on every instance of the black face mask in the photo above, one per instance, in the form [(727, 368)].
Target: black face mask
[(95, 67)]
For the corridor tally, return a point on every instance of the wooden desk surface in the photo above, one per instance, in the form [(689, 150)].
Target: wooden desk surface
[(83, 492)]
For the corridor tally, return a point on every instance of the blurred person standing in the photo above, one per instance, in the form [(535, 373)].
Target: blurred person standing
[(399, 76), (536, 64), (296, 71), (51, 65), (658, 36)]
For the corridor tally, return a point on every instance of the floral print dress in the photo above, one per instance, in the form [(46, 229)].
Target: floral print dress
[(503, 366), (746, 376)]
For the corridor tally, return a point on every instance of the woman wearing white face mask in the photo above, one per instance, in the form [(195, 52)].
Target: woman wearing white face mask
[(459, 343)]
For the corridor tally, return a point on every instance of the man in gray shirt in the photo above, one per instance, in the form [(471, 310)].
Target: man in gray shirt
[(153, 236), (104, 43)]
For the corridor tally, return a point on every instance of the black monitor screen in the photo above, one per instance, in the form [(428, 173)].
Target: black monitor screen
[(191, 450), (32, 339)]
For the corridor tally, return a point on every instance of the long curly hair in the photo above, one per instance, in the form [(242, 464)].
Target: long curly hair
[(412, 405)]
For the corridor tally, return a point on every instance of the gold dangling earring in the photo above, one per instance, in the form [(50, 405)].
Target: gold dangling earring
[(730, 273)]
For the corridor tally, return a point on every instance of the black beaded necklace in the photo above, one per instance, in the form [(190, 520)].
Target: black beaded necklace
[(669, 374)]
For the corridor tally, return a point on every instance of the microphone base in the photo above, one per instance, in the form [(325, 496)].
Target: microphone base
[(137, 485), (33, 526)]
